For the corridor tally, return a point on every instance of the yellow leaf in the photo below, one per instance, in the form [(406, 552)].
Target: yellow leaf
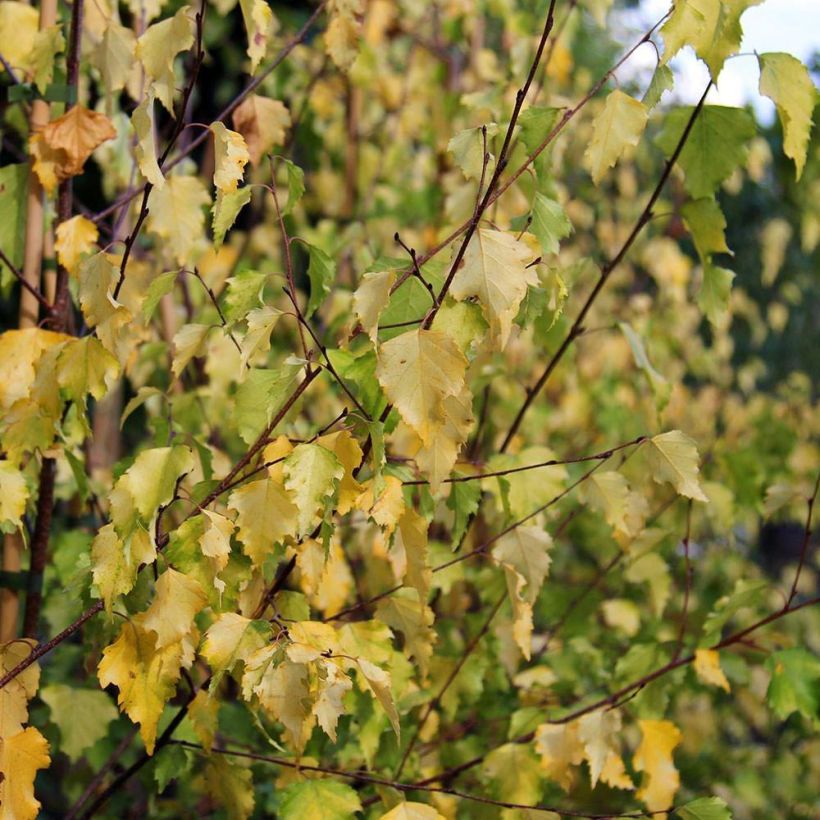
[(414, 619), (75, 237), (411, 542), (497, 270), (16, 694), (171, 614), (608, 492), (653, 757), (515, 769), (176, 214), (115, 562), (261, 323), (560, 749), (215, 542), (283, 690), (674, 458), (145, 149), (62, 147), (157, 48), (371, 298), (189, 342), (437, 458), (145, 675), (232, 639), (203, 712), (598, 732), (707, 668), (618, 126), (21, 755), (230, 786), (260, 24), (85, 366), (332, 687), (20, 350), (388, 507), (378, 681), (623, 614), (265, 516), (97, 277), (349, 454), (114, 56), (418, 370), (262, 122), (19, 24), (785, 80), (231, 157), (342, 37), (523, 554), (13, 495), (312, 474)]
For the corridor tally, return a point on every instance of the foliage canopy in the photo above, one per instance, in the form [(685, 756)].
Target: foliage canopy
[(388, 435)]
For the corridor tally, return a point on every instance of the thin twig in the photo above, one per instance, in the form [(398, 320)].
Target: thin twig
[(606, 272)]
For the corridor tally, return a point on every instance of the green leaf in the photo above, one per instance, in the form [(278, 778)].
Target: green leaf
[(296, 184), (536, 124), (705, 808), (243, 293), (467, 148), (786, 81), (550, 223), (226, 208), (259, 397), (81, 715), (745, 594), (173, 762), (321, 272), (312, 474), (715, 289), (463, 500), (795, 683), (160, 285), (662, 80), (716, 144), (318, 800), (707, 224), (657, 381)]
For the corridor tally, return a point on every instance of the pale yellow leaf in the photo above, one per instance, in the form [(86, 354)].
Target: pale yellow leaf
[(707, 668), (497, 269)]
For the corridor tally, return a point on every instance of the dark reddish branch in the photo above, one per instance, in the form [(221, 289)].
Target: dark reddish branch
[(606, 272), (804, 549), (179, 125), (623, 692), (300, 36), (434, 703), (501, 164), (59, 315), (262, 440)]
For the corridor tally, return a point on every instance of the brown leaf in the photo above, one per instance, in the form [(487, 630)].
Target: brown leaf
[(62, 147)]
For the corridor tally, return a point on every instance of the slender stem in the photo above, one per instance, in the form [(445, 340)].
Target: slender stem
[(501, 164), (363, 777), (606, 272), (226, 112), (18, 274), (551, 463), (805, 546), (434, 703)]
